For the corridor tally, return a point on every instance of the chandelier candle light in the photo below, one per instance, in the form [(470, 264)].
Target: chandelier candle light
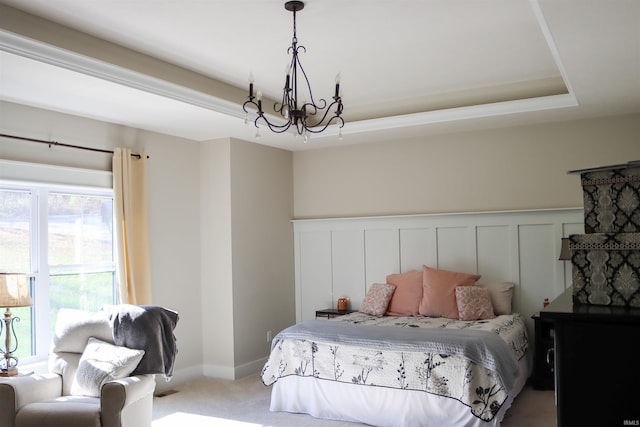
[(307, 116)]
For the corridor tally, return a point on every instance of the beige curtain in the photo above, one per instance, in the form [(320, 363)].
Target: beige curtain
[(131, 227)]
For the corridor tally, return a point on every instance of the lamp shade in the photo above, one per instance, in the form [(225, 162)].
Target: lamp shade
[(14, 290), (565, 252)]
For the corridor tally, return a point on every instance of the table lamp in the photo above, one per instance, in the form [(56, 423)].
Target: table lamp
[(565, 252), (14, 292)]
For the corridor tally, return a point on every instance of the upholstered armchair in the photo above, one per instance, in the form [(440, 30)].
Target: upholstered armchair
[(39, 401), (88, 383)]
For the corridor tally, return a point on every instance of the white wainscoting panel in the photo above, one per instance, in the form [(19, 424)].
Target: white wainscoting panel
[(456, 248), (348, 270), (343, 257), (382, 254), (539, 266), (567, 230), (417, 248), (495, 253), (313, 268)]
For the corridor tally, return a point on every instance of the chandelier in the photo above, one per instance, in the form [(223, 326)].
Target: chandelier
[(299, 110)]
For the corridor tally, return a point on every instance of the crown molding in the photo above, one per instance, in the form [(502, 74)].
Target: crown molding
[(56, 56), (21, 45)]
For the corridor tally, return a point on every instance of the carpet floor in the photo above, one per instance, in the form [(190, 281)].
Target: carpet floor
[(245, 403)]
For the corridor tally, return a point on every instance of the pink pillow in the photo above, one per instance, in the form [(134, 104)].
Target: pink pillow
[(439, 291), (474, 303), (408, 293), (377, 299)]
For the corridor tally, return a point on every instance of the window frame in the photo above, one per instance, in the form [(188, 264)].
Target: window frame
[(40, 181)]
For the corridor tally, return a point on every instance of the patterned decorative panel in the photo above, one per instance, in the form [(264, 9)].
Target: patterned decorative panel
[(612, 200), (606, 268)]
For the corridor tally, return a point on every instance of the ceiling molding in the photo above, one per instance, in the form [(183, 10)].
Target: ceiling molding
[(556, 68), (546, 32), (52, 55), (462, 113)]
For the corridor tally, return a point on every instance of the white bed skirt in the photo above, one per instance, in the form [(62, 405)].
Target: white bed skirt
[(378, 406)]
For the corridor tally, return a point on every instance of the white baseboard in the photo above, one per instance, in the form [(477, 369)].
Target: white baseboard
[(250, 368), (218, 371), (234, 373), (179, 376)]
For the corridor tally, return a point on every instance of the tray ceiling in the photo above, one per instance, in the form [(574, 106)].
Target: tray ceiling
[(408, 68)]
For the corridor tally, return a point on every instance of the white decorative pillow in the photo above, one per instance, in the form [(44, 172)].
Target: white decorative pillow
[(474, 303), (501, 296), (377, 299), (102, 362)]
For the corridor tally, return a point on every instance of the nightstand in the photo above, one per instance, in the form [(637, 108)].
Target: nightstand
[(329, 313), (543, 376)]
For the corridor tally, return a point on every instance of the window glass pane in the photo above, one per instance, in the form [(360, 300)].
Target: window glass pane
[(15, 257), (80, 291), (15, 231), (79, 229), (22, 326), (77, 256)]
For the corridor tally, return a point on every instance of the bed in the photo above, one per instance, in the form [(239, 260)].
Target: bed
[(400, 370)]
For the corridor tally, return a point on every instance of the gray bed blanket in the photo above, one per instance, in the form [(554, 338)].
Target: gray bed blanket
[(484, 348), (148, 328)]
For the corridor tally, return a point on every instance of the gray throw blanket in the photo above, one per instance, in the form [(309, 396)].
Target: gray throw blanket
[(148, 328), (484, 348)]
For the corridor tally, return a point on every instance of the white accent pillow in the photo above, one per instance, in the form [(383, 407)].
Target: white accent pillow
[(501, 296), (102, 362)]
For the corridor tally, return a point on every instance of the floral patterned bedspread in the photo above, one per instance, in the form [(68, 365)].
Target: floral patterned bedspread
[(448, 375)]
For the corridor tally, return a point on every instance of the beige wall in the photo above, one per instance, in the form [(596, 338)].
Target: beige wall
[(262, 248), (173, 191), (220, 230), (215, 243), (221, 240), (247, 253), (501, 169)]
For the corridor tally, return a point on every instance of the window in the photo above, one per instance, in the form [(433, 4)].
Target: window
[(62, 237)]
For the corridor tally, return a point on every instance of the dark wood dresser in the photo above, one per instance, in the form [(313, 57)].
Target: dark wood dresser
[(543, 377), (597, 363)]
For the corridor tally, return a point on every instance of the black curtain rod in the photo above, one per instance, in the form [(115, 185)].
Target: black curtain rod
[(56, 143)]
